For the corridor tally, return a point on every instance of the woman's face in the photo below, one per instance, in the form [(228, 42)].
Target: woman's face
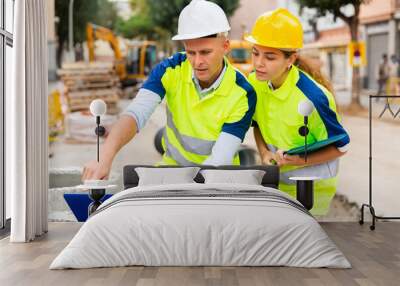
[(270, 63)]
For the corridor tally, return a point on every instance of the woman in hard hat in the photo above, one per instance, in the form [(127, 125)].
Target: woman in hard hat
[(285, 83)]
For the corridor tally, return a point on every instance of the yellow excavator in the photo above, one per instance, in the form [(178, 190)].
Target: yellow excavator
[(132, 68), (240, 56)]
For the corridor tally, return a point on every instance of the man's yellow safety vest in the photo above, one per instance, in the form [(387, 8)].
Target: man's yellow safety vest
[(277, 118), (194, 123)]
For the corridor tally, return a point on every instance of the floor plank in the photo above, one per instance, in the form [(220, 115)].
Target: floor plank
[(374, 255)]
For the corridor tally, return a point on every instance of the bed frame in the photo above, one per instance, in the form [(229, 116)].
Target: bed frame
[(270, 179), (304, 188)]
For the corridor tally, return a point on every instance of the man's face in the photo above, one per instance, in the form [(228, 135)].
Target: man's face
[(206, 57)]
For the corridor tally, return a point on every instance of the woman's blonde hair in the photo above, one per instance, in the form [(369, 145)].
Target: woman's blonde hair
[(305, 64)]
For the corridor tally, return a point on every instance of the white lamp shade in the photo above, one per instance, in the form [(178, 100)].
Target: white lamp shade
[(305, 107), (98, 107)]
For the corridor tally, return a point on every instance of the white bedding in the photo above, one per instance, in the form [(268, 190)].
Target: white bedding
[(265, 229)]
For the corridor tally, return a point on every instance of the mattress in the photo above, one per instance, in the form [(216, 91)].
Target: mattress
[(201, 225)]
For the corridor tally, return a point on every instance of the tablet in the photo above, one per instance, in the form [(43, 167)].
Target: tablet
[(316, 145)]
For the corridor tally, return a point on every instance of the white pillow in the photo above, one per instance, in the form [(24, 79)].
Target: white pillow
[(166, 176), (248, 177)]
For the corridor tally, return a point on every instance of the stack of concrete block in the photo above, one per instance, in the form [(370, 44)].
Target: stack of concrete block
[(66, 180)]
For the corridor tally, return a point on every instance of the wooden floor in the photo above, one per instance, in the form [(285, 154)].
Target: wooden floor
[(374, 255)]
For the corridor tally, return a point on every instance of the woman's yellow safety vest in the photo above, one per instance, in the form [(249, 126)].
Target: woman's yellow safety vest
[(277, 118), (194, 123)]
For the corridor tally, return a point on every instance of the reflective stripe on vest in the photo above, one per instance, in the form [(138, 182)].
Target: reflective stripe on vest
[(190, 144), (172, 152)]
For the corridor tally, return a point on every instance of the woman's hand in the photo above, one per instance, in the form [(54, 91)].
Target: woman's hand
[(291, 160), (268, 158)]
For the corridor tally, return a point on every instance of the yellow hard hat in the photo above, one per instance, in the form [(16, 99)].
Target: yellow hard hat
[(277, 29)]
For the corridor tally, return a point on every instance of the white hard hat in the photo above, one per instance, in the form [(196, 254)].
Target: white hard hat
[(200, 19)]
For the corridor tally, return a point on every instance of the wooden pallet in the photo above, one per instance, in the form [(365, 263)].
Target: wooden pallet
[(81, 100), (90, 77), (95, 93), (85, 66), (85, 82), (76, 86), (111, 109)]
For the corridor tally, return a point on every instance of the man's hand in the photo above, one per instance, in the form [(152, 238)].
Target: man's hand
[(291, 160), (121, 133), (94, 170)]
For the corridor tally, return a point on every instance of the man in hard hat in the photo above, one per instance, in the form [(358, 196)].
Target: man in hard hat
[(209, 104)]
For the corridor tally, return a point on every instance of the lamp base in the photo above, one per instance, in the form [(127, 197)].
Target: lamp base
[(305, 190), (95, 195), (305, 193)]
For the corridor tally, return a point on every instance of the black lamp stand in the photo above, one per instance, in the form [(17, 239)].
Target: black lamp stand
[(96, 194), (305, 187), (370, 203)]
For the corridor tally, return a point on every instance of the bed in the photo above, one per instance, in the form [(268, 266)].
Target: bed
[(201, 224)]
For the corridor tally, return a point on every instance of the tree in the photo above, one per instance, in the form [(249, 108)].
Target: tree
[(140, 24), (336, 8), (101, 12), (136, 26), (158, 20), (165, 13), (107, 14)]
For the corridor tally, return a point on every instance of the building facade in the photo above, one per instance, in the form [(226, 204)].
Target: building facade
[(380, 30), (245, 16)]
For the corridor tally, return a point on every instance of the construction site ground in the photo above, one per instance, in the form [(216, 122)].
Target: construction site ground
[(353, 177)]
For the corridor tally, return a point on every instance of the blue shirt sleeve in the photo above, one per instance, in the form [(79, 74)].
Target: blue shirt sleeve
[(153, 82), (239, 128), (321, 103)]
